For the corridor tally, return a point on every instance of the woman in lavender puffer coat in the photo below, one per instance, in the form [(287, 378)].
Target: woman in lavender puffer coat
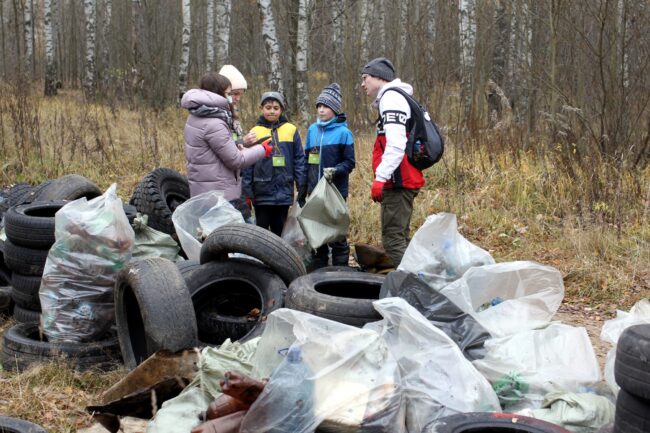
[(214, 160)]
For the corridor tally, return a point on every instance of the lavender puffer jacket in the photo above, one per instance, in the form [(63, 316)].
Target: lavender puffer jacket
[(213, 159)]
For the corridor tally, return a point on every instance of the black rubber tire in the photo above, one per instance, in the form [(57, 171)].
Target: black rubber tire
[(153, 310), (25, 291), (158, 195), (256, 242), (326, 294), (26, 261), (224, 293), (23, 315), (130, 211), (15, 425), (335, 269), (185, 266), (32, 225), (632, 413), (69, 187), (23, 346), (491, 422), (5, 272), (632, 366), (14, 195), (6, 301)]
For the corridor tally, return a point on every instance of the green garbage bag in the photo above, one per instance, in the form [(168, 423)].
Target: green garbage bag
[(152, 243), (325, 217)]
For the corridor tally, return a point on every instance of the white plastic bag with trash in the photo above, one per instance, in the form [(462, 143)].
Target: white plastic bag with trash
[(439, 254), (576, 412), (93, 243), (325, 217), (292, 233), (323, 373), (526, 366), (437, 379), (509, 297), (195, 219), (152, 243), (612, 329)]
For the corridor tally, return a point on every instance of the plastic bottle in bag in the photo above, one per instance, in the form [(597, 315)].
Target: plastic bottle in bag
[(287, 402)]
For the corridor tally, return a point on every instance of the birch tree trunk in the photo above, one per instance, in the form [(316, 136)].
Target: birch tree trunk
[(134, 73), (403, 20), (365, 29), (379, 10), (4, 46), (431, 30), (209, 35), (28, 28), (90, 9), (272, 44), (468, 43), (106, 31), (50, 55), (185, 48), (302, 55), (337, 10), (224, 13)]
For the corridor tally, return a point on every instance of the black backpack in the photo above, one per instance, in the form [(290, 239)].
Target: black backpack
[(424, 145)]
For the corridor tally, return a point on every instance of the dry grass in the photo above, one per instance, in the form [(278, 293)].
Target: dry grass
[(586, 217)]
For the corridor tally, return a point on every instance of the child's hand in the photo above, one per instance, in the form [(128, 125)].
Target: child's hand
[(249, 139), (329, 173)]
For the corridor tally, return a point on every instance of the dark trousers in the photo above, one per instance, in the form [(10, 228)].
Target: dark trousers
[(340, 254), (396, 211), (271, 217)]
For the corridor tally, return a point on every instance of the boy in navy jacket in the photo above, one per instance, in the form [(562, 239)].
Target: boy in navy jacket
[(329, 153)]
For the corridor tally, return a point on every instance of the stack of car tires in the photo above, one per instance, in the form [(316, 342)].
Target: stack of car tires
[(632, 373), (30, 234)]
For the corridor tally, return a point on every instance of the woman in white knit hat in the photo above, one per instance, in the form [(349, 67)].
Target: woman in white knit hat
[(239, 86)]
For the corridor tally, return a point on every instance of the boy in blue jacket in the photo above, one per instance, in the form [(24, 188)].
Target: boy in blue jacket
[(269, 184), (329, 153)]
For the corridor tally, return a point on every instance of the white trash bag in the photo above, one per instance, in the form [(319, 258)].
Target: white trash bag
[(437, 379), (195, 219), (323, 373), (93, 243), (612, 329), (526, 366), (509, 297), (439, 254)]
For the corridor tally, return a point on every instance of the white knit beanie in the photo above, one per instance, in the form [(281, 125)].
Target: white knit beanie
[(237, 80)]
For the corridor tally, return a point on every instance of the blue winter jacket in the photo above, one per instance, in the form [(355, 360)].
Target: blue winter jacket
[(267, 184), (330, 144)]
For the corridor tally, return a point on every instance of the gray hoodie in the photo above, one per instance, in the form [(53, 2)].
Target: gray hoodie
[(213, 159)]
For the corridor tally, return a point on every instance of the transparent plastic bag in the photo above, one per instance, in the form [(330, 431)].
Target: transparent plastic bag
[(195, 219), (437, 380), (526, 366), (439, 254), (612, 329), (325, 217), (152, 243), (509, 297), (346, 378), (93, 243), (292, 233)]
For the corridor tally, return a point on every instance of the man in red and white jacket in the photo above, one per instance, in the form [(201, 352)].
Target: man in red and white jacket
[(397, 182)]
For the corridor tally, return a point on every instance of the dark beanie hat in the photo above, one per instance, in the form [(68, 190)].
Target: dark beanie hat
[(331, 97), (380, 67), (276, 96)]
